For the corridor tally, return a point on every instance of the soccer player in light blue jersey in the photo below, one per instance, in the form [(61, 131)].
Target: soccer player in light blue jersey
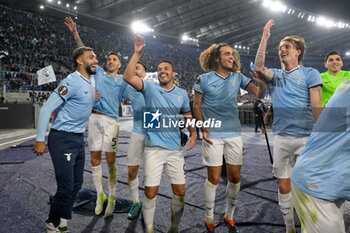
[(137, 139), (72, 102), (165, 103), (216, 98), (296, 103), (320, 177), (104, 124)]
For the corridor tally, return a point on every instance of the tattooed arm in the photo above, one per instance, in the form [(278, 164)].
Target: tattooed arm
[(260, 56), (73, 28), (315, 98)]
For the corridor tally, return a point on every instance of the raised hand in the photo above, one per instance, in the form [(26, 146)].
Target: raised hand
[(267, 29), (258, 78), (139, 44), (71, 24)]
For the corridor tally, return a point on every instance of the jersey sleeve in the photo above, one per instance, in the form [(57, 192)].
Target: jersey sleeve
[(186, 104), (244, 81), (125, 93), (313, 78), (53, 102), (199, 85), (67, 88)]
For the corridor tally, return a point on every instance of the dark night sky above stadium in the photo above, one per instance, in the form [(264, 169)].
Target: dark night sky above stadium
[(338, 9)]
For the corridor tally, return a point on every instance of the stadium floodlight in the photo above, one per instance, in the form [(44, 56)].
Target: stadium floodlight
[(275, 6), (41, 7), (323, 21), (340, 24), (185, 38), (266, 3), (67, 5), (347, 54), (75, 7), (154, 36), (59, 2), (49, 0), (140, 27), (236, 46)]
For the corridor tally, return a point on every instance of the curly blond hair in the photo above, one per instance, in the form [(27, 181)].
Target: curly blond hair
[(208, 58), (299, 44)]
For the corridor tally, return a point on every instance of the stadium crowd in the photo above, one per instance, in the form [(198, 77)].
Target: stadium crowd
[(33, 42)]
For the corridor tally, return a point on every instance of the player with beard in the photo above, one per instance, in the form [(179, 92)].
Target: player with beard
[(296, 104), (216, 97), (104, 124), (162, 144), (137, 139), (72, 102)]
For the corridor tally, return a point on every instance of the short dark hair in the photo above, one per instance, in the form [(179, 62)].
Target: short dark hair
[(78, 52), (115, 53), (332, 53), (143, 64), (169, 62)]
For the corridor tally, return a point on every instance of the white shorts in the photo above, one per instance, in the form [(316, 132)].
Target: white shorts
[(318, 215), (103, 133), (230, 148), (286, 150), (156, 158), (135, 149)]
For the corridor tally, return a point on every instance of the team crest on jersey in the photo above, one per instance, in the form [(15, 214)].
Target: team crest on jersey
[(233, 82), (178, 98), (63, 90), (299, 80), (198, 80)]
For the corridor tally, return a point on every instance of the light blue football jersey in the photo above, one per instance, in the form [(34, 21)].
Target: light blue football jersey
[(111, 89), (138, 105), (169, 104), (78, 94), (220, 101), (291, 100), (323, 169)]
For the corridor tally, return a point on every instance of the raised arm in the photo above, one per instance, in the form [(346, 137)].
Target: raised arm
[(129, 73), (73, 28), (260, 55), (316, 101), (258, 91)]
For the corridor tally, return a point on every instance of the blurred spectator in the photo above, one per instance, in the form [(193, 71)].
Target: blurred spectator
[(32, 44)]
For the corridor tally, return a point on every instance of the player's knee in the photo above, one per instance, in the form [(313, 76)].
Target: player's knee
[(179, 192), (214, 179), (132, 173), (284, 187), (95, 161), (110, 157), (150, 194), (235, 179)]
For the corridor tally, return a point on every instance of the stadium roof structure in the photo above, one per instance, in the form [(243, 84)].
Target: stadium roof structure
[(236, 22)]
